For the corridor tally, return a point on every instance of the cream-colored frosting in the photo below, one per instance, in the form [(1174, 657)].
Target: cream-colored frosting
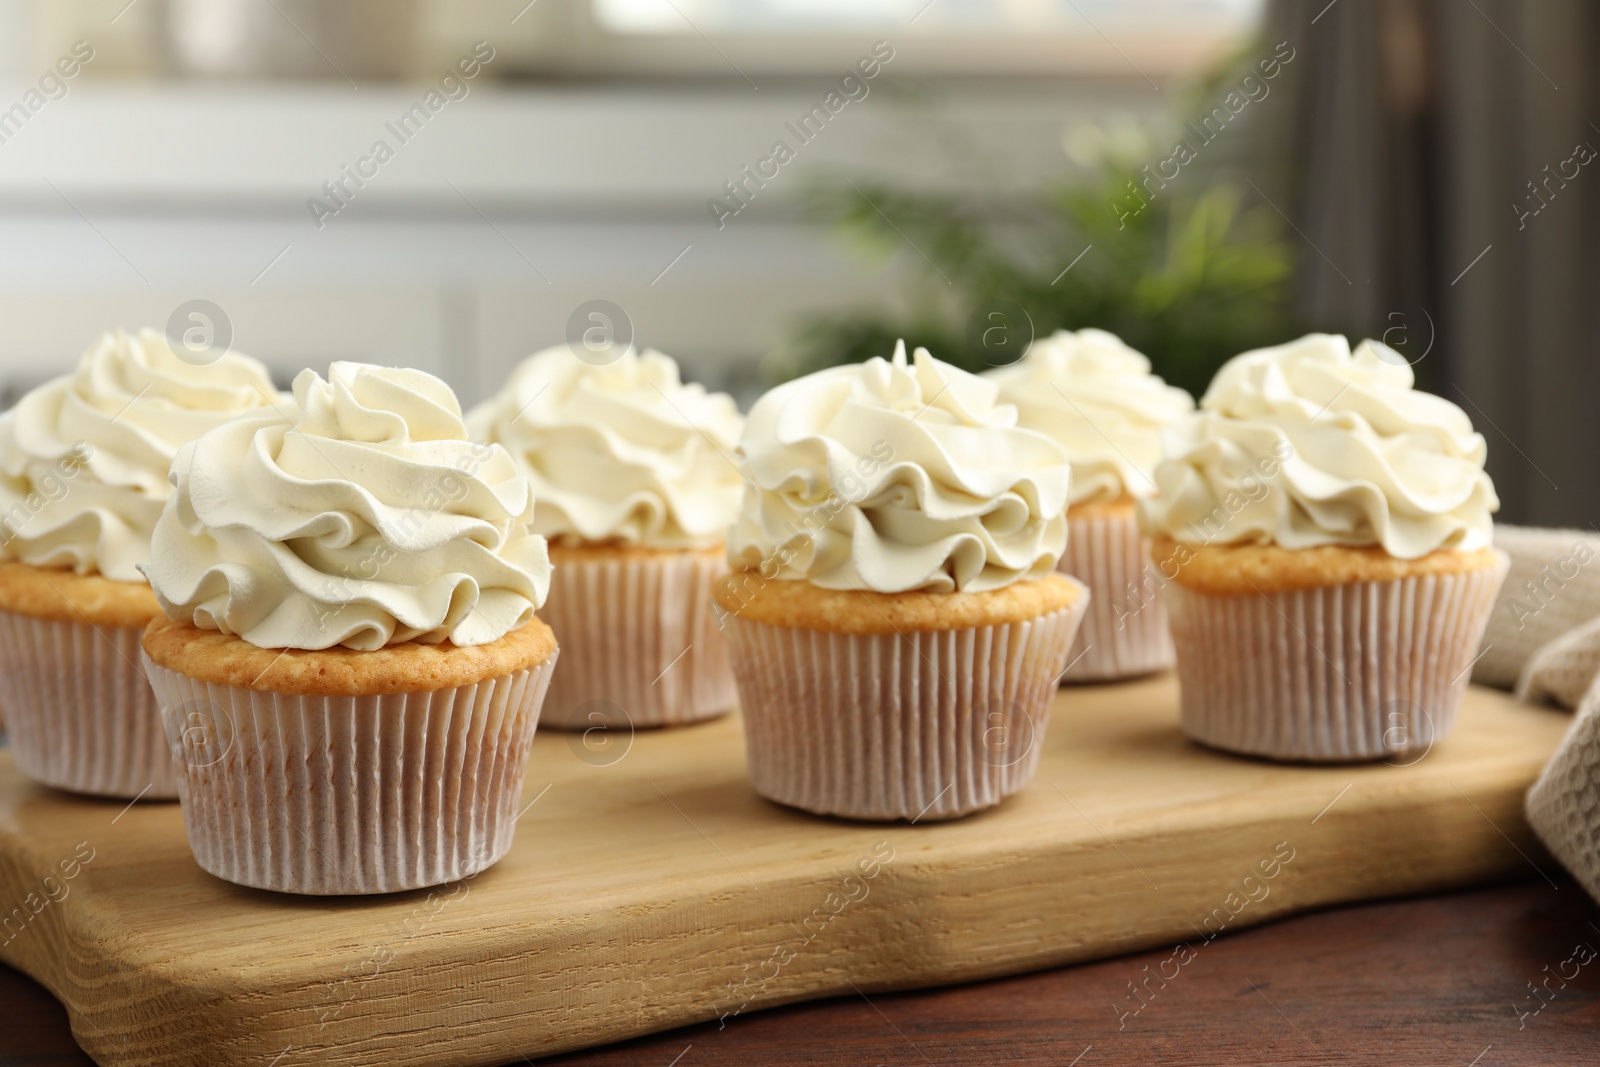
[(896, 476), (362, 516), (1096, 398), (623, 451), (1308, 444), (84, 457)]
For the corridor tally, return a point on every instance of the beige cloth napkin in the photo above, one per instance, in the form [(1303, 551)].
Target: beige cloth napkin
[(1553, 589), (1544, 637)]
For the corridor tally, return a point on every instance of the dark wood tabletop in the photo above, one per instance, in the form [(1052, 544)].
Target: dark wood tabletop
[(1482, 978)]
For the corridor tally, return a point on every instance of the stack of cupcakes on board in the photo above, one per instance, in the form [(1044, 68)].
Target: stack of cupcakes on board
[(636, 486), (1325, 532), (1096, 398), (83, 475), (333, 593)]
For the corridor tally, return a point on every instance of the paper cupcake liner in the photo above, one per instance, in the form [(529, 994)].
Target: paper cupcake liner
[(637, 636), (1564, 804), (920, 726), (79, 714), (1360, 671), (1125, 632), (326, 795)]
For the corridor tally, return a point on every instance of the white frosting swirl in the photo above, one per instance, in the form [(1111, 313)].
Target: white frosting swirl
[(891, 477), (84, 457), (1306, 444), (619, 452), (361, 516), (1096, 398)]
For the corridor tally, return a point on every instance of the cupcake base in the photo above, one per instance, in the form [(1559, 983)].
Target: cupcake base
[(1352, 671), (81, 716), (1124, 634), (91, 727), (640, 645), (913, 724), (333, 793)]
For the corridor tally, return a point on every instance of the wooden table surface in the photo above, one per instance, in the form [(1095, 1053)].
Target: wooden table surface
[(1433, 980)]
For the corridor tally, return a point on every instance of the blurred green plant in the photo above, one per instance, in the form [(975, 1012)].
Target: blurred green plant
[(1190, 280)]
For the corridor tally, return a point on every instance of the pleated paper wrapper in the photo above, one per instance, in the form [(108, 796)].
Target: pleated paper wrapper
[(330, 795), (1124, 635), (80, 715), (1344, 673), (917, 726), (639, 642)]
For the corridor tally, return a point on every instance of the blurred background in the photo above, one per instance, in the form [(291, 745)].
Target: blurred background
[(453, 184)]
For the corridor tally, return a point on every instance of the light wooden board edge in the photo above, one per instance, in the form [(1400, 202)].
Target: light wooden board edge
[(922, 922)]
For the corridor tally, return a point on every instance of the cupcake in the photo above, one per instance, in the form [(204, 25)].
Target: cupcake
[(349, 667), (1325, 532), (1096, 398), (636, 486), (83, 474), (895, 619)]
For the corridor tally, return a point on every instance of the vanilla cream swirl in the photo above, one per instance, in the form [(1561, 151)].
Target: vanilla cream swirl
[(360, 516), (1306, 444), (892, 476), (84, 457), (1097, 399), (622, 452)]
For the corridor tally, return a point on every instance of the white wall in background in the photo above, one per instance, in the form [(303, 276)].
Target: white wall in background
[(475, 243), (13, 40), (449, 296)]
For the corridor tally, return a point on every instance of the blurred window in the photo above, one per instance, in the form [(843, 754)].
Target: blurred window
[(1070, 17), (1129, 37)]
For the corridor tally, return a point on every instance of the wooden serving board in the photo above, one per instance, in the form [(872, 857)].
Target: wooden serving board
[(650, 888)]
